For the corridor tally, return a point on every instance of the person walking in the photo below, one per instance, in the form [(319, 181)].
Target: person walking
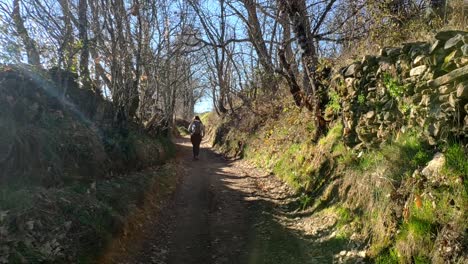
[(197, 132)]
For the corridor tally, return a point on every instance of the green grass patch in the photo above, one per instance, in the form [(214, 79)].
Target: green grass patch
[(456, 161), (402, 156), (388, 257), (305, 201), (344, 216), (416, 236)]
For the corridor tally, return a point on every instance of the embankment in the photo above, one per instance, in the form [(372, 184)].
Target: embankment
[(69, 176), (392, 168)]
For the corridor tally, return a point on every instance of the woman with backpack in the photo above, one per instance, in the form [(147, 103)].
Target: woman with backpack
[(197, 132)]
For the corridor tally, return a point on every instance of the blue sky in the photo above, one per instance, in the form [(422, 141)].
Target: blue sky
[(204, 105)]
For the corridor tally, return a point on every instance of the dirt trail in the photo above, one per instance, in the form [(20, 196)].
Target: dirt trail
[(224, 212)]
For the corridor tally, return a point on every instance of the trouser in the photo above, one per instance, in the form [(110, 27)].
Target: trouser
[(196, 140)]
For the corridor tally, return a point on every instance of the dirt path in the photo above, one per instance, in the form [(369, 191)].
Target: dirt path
[(224, 212)]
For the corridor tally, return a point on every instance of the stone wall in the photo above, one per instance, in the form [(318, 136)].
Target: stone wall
[(422, 84)]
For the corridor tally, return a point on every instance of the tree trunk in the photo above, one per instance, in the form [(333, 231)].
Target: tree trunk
[(297, 12), (256, 36), (29, 44), (66, 47), (83, 35)]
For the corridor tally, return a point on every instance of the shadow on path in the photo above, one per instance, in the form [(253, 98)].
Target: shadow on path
[(218, 215)]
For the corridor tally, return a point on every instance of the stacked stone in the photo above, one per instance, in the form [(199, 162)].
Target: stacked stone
[(432, 79)]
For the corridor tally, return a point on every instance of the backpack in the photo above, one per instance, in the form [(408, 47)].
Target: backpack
[(196, 128)]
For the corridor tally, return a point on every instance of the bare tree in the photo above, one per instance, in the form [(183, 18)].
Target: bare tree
[(83, 36), (29, 43)]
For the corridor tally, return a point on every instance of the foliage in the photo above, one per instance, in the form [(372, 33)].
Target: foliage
[(395, 88), (334, 103), (361, 99)]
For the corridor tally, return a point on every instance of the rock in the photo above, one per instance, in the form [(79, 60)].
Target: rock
[(426, 92), (393, 52), (443, 98), (446, 108), (419, 87), (434, 46), (462, 90), (460, 62), (449, 77), (445, 89), (387, 116), (418, 70), (446, 35), (428, 75), (370, 114), (419, 60), (407, 47), (416, 50), (454, 42), (434, 166), (369, 60), (349, 82), (453, 101), (464, 50), (425, 100), (434, 129), (385, 64), (352, 70), (440, 115)]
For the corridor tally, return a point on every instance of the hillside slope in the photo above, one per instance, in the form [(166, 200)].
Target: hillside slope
[(392, 169), (67, 173)]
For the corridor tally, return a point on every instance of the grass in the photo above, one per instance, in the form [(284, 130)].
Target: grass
[(344, 214), (456, 163), (305, 201), (417, 235), (388, 257), (406, 153)]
